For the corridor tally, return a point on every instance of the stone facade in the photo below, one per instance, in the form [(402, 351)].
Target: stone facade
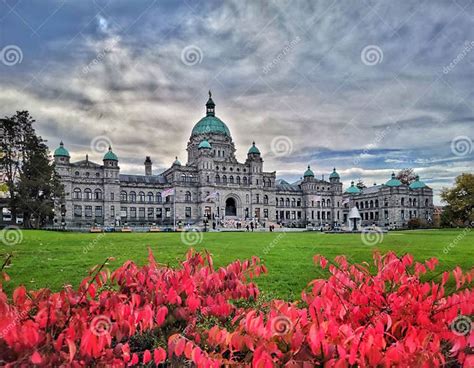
[(214, 187)]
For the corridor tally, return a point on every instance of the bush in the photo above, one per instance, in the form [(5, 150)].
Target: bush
[(207, 317)]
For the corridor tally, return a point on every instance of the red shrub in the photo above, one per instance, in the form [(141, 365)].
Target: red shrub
[(155, 314)]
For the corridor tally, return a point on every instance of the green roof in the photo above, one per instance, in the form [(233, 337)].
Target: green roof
[(352, 189), (204, 144), (61, 151), (254, 149), (308, 173), (417, 184), (334, 174), (210, 124), (176, 161), (110, 155), (393, 182)]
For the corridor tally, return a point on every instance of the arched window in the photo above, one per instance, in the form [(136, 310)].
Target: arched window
[(287, 202), (97, 194), (414, 202), (238, 180), (158, 197), (87, 194), (231, 179), (323, 202), (123, 196), (187, 197), (361, 204), (265, 199), (150, 197), (402, 202), (376, 203), (224, 179), (371, 204), (218, 178), (293, 202), (245, 180), (366, 204), (427, 202), (77, 193), (328, 203), (132, 197), (141, 197), (282, 202)]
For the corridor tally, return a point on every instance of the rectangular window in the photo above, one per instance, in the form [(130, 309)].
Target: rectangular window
[(141, 212), (77, 211), (123, 212), (112, 211), (111, 196), (151, 213), (265, 213), (299, 215), (159, 213), (187, 212), (293, 215), (167, 212), (98, 211), (133, 212), (88, 211)]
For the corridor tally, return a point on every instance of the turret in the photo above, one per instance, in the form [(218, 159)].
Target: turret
[(334, 176), (61, 155), (148, 166)]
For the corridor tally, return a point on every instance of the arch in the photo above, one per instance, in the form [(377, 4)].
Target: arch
[(224, 179), (158, 197), (238, 180), (218, 178), (245, 180), (231, 179), (77, 193), (132, 197), (141, 197), (123, 196), (97, 194), (287, 202), (150, 197), (87, 194), (187, 196), (230, 207), (282, 202)]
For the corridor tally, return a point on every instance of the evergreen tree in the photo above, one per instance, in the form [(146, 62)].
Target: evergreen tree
[(32, 182)]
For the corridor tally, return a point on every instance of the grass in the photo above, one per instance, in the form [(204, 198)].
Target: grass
[(52, 259)]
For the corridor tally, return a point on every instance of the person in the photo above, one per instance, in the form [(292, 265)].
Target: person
[(247, 227), (213, 225), (251, 225)]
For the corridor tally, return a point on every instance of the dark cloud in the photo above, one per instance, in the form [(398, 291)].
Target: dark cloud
[(280, 68)]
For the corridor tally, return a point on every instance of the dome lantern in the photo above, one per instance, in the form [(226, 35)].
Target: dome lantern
[(210, 106)]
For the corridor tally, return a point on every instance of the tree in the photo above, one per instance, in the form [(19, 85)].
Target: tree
[(406, 176), (460, 199), (31, 180)]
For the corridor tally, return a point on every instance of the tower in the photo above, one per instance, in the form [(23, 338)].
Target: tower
[(148, 166)]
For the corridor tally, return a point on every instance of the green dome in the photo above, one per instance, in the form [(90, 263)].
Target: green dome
[(254, 149), (110, 155), (308, 173), (176, 161), (393, 182), (61, 151), (334, 174), (210, 124), (417, 184), (352, 189), (204, 144)]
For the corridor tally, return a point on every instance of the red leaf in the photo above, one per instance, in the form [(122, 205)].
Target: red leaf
[(146, 356), (159, 355)]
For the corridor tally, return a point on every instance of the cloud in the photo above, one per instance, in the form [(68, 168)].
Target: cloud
[(115, 69)]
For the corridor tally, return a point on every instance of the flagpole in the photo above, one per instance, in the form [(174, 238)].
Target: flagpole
[(174, 210)]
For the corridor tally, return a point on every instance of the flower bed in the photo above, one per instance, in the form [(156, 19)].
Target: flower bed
[(197, 315)]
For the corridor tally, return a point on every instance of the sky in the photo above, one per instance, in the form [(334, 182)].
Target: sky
[(369, 87)]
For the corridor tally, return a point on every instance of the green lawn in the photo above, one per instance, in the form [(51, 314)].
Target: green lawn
[(52, 259)]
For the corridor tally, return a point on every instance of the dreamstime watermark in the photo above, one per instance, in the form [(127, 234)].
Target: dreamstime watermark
[(18, 317), (11, 55), (461, 145), (101, 144), (100, 56), (372, 236), (468, 46), (281, 326), (371, 55), (379, 137), (192, 237), (92, 244), (11, 235), (461, 325), (281, 146), (100, 325), (456, 240), (273, 243), (285, 51), (191, 55)]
